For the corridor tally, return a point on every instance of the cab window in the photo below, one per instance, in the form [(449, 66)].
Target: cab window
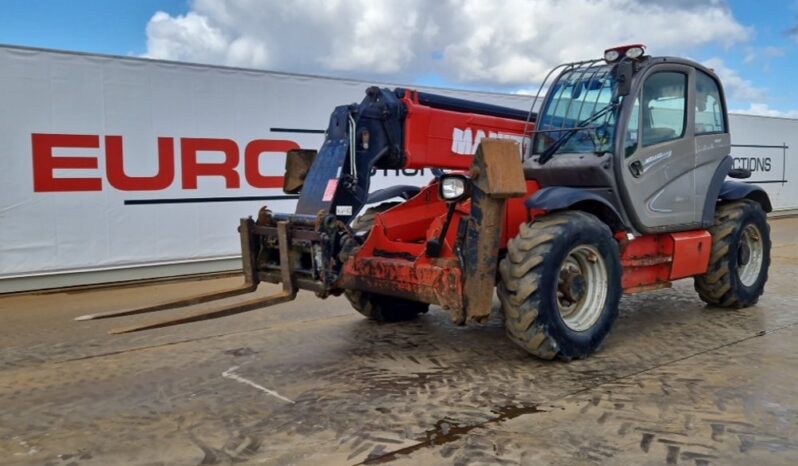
[(632, 129), (664, 107), (708, 106)]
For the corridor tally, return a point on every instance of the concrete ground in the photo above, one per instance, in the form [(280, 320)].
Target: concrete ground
[(311, 382)]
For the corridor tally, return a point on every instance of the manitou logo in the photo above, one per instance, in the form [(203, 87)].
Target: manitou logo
[(465, 141), (45, 163)]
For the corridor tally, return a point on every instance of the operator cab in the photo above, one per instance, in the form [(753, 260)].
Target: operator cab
[(648, 135)]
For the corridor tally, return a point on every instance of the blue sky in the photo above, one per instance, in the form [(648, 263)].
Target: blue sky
[(770, 20), (99, 26), (759, 68)]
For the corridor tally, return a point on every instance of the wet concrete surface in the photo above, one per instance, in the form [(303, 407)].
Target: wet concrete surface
[(311, 382)]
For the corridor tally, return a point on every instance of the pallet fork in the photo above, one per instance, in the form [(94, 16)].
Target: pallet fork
[(251, 281)]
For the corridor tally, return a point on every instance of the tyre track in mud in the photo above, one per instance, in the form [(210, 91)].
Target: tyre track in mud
[(443, 433)]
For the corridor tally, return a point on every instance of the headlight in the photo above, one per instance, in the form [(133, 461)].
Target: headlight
[(453, 187)]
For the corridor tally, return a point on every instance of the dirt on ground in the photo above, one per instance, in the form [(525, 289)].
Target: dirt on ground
[(311, 382)]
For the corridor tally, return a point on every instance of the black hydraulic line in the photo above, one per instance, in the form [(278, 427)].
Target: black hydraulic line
[(434, 246), (468, 106)]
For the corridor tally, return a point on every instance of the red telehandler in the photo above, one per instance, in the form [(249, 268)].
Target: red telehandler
[(619, 184)]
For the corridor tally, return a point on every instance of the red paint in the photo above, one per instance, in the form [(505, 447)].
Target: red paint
[(193, 168), (429, 134), (517, 213), (646, 261), (115, 169), (252, 157), (659, 259), (691, 251), (404, 231), (45, 162)]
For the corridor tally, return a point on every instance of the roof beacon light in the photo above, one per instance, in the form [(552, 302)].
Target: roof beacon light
[(634, 52)]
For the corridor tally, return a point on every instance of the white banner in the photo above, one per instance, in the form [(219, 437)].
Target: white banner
[(110, 162), (114, 162)]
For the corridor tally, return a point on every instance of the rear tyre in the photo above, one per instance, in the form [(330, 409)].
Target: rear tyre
[(376, 306), (738, 265), (560, 285)]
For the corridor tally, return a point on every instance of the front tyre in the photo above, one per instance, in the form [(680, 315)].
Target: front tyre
[(385, 308), (560, 285), (740, 258)]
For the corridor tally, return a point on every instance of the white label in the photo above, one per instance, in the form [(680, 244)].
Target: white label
[(343, 210)]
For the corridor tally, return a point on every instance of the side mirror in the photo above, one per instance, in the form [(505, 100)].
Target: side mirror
[(740, 173), (297, 166), (623, 76)]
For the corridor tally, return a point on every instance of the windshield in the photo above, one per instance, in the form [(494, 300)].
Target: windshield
[(580, 95)]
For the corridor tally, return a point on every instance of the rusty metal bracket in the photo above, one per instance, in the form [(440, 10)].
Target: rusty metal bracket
[(496, 174), (250, 284)]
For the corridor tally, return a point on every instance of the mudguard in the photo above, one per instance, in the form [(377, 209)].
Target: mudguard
[(562, 197), (402, 190), (713, 191), (735, 190)]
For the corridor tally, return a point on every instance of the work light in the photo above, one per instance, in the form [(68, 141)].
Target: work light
[(634, 52), (453, 187)]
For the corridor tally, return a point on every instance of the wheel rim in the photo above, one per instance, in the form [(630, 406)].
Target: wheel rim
[(750, 254), (582, 288)]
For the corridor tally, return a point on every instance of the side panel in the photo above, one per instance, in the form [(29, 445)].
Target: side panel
[(436, 138), (653, 261), (691, 251)]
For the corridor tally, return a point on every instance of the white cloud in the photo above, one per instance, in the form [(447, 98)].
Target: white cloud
[(186, 38), (498, 43), (753, 54), (765, 110), (741, 92), (737, 88)]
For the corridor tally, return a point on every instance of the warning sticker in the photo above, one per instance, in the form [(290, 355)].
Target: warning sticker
[(329, 192)]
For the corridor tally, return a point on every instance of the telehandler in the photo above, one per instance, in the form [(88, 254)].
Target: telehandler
[(618, 184)]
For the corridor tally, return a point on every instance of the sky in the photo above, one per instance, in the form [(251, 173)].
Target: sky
[(493, 45)]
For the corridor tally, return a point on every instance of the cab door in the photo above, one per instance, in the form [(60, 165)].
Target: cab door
[(712, 143), (658, 159)]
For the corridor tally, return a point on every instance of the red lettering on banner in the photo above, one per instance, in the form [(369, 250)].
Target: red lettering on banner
[(252, 156), (115, 167), (45, 163), (193, 169)]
